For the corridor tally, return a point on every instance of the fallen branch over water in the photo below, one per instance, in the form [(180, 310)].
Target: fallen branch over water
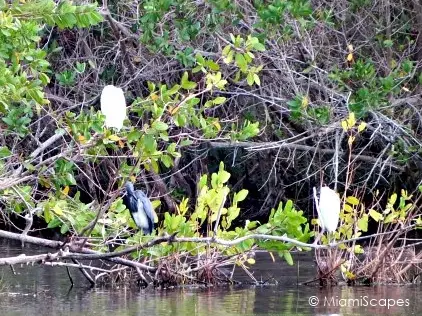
[(74, 250)]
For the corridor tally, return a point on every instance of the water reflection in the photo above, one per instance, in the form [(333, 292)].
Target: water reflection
[(41, 290)]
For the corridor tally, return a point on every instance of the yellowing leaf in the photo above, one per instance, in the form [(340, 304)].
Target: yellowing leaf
[(344, 125), (352, 200), (132, 178), (361, 127), (154, 97), (241, 195), (121, 144), (351, 140), (351, 120), (348, 208), (114, 138), (251, 260), (350, 57), (393, 199), (65, 190), (57, 210), (393, 64), (155, 203), (305, 102), (44, 182), (174, 110), (376, 216), (81, 139), (358, 249), (217, 125)]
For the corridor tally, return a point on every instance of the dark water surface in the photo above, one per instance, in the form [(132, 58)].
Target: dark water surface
[(40, 290)]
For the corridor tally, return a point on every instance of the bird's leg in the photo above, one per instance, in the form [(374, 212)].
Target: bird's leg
[(318, 237)]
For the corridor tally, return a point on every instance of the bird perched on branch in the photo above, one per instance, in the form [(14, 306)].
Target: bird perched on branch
[(113, 106), (140, 208), (328, 208)]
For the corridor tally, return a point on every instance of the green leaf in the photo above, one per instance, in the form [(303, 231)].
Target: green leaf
[(186, 84), (134, 135), (160, 126), (5, 152), (186, 142), (47, 215), (241, 62), (149, 143), (166, 160), (259, 47), (219, 100), (54, 223), (288, 257), (250, 79), (226, 50), (70, 179), (363, 223), (256, 79), (388, 43), (64, 229)]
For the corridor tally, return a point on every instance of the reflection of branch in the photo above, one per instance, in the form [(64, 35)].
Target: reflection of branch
[(85, 272)]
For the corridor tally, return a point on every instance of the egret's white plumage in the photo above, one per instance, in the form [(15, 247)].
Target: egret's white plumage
[(328, 209), (113, 106)]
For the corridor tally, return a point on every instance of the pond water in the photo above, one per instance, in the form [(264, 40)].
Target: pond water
[(40, 290)]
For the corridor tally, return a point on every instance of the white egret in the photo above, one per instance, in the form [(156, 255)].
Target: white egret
[(113, 106), (328, 209)]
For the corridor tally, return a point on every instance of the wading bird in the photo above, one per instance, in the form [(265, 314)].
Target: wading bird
[(328, 209), (113, 106), (140, 208)]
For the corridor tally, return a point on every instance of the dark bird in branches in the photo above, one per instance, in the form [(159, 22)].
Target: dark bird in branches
[(140, 208)]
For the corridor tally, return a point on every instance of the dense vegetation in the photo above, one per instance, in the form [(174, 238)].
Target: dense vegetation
[(237, 109)]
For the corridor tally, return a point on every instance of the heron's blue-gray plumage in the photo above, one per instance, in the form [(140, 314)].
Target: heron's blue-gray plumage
[(140, 208)]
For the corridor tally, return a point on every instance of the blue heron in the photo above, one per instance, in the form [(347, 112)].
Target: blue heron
[(140, 208)]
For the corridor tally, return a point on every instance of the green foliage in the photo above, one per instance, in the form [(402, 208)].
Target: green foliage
[(68, 77), (371, 90), (285, 221), (17, 199), (71, 215), (4, 152), (63, 173), (272, 14), (23, 65), (298, 106), (240, 52), (247, 131), (18, 119)]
